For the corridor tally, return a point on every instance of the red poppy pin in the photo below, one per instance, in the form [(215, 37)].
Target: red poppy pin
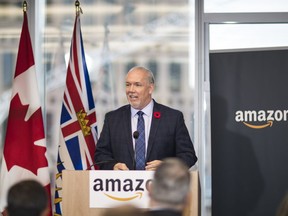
[(157, 115)]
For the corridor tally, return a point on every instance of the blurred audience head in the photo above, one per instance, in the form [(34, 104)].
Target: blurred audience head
[(170, 187), (27, 198)]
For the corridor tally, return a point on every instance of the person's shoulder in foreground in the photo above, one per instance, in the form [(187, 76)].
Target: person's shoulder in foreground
[(123, 210), (163, 212)]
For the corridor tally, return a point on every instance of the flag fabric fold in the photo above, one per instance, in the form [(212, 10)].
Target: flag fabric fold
[(24, 152), (78, 123)]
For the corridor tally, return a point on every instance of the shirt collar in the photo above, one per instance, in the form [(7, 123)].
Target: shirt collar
[(146, 110)]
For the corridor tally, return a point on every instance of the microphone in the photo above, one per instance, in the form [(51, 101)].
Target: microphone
[(98, 163), (135, 134)]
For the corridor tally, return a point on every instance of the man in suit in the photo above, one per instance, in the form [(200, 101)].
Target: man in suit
[(170, 189), (164, 135)]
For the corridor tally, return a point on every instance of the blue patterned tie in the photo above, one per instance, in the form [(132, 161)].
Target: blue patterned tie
[(140, 143)]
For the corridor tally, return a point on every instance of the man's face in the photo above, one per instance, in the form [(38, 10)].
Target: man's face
[(138, 89)]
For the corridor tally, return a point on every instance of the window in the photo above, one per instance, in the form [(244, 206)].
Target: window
[(241, 6), (175, 77), (152, 65), (8, 68)]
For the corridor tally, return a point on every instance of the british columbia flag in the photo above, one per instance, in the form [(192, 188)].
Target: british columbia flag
[(78, 123)]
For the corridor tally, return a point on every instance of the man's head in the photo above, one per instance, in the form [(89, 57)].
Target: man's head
[(27, 198), (171, 184), (139, 87)]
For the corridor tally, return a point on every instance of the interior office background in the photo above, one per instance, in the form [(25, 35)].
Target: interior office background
[(171, 37)]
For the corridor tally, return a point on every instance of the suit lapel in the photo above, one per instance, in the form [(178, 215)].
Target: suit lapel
[(127, 130), (153, 129)]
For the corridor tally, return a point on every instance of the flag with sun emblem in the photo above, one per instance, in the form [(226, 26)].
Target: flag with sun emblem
[(78, 129)]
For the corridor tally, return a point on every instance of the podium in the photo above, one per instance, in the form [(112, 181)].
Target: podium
[(75, 196)]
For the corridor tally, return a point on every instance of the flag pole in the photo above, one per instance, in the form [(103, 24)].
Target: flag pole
[(78, 8), (24, 6)]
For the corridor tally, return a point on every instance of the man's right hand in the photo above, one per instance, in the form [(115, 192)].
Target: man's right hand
[(120, 166)]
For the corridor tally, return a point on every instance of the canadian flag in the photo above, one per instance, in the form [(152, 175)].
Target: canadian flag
[(24, 153)]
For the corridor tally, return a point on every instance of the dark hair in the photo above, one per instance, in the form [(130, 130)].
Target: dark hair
[(27, 198)]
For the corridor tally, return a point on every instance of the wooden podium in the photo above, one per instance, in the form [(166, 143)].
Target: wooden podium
[(75, 199)]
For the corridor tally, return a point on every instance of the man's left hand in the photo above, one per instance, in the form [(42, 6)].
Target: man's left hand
[(152, 165)]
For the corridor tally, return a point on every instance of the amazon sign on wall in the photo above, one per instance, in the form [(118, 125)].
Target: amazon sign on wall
[(249, 131), (113, 188)]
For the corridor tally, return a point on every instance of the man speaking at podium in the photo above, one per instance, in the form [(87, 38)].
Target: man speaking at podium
[(138, 136)]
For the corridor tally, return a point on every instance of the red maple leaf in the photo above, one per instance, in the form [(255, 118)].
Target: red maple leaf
[(20, 148)]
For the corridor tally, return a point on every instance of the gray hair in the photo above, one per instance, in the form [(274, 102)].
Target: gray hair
[(151, 78), (171, 183)]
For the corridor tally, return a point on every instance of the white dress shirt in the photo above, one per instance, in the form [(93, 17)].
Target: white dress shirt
[(148, 114)]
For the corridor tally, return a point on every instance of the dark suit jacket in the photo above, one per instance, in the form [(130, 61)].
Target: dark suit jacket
[(168, 137)]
